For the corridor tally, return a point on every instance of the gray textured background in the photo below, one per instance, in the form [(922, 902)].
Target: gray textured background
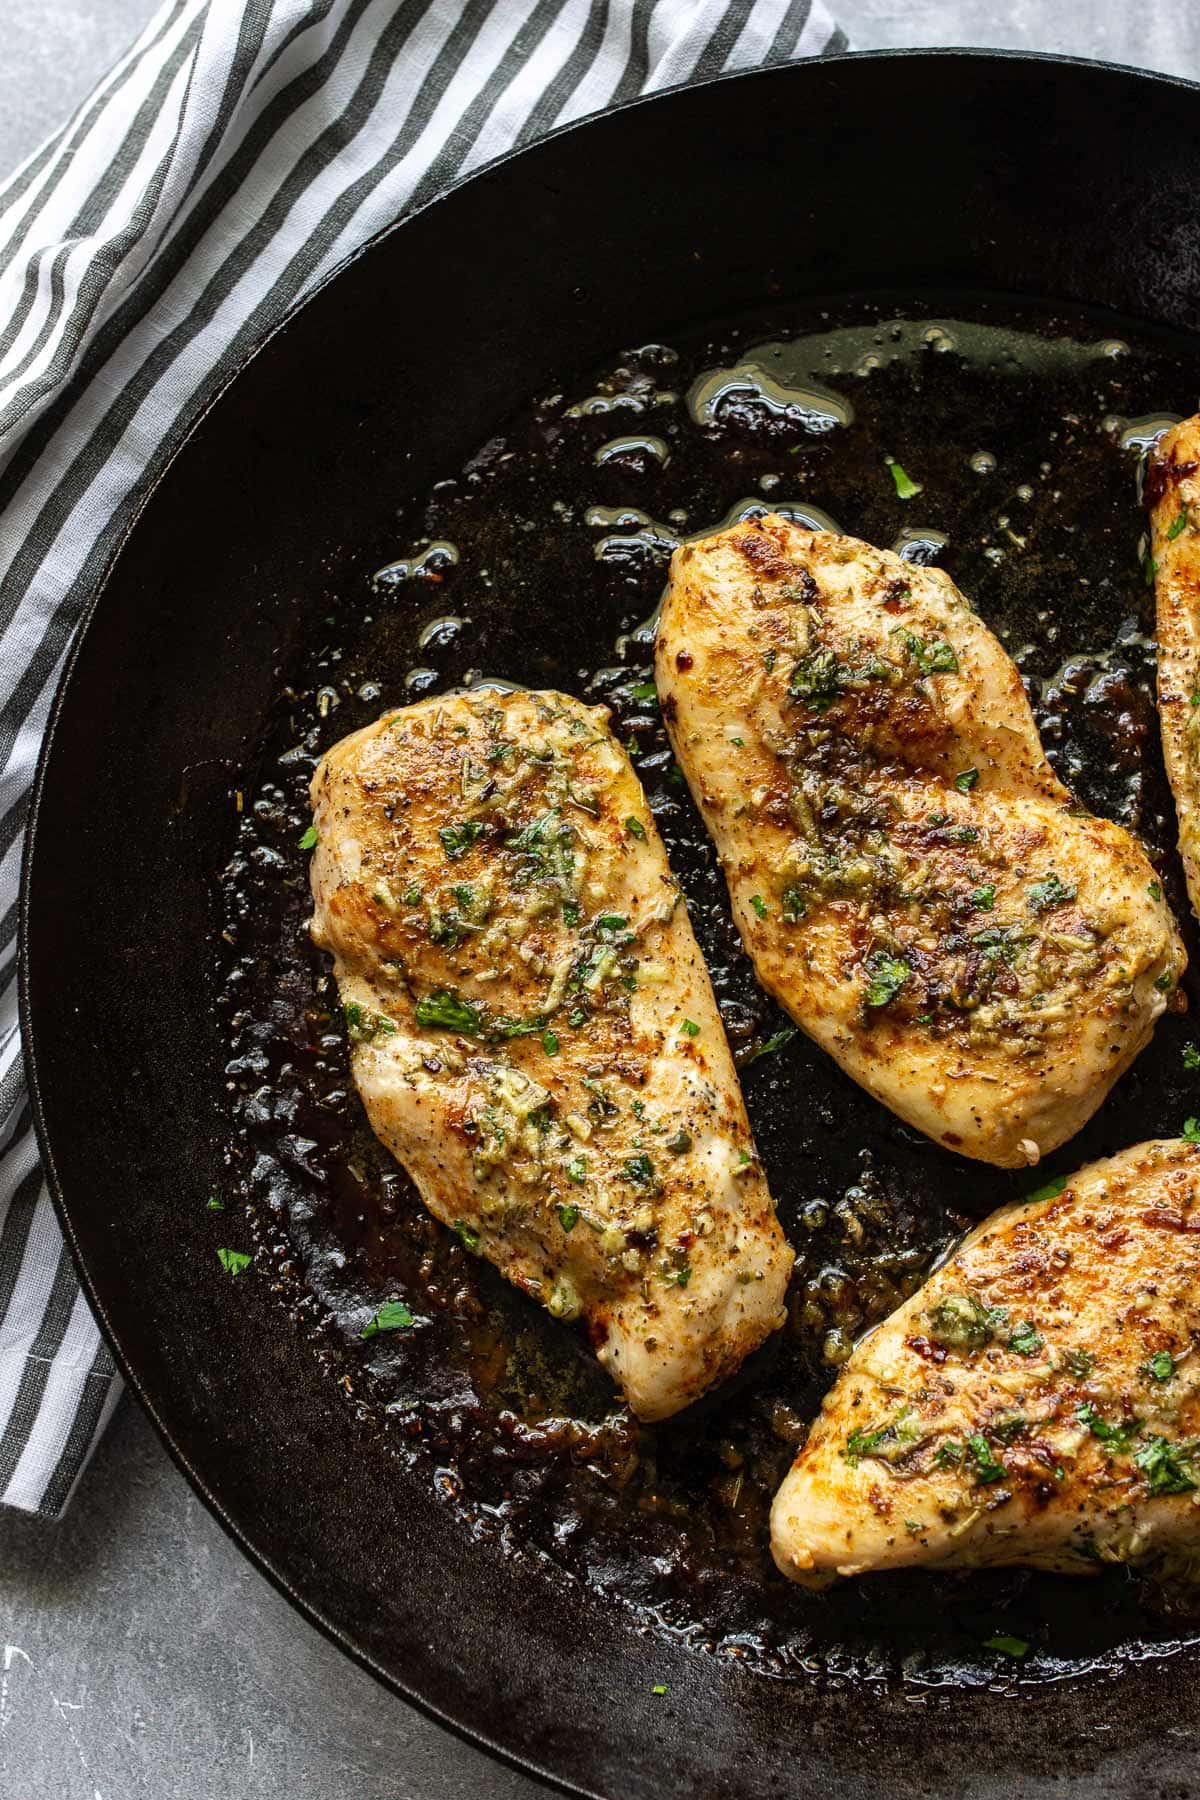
[(140, 1657)]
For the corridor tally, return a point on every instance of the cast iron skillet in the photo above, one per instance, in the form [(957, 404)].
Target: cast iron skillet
[(949, 172)]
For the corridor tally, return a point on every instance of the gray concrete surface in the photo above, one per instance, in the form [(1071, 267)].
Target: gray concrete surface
[(141, 1658)]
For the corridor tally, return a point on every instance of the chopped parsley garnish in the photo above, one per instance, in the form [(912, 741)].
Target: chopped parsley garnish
[(820, 676), (681, 1141), (234, 1262), (411, 894), (961, 1322), (676, 1274), (1008, 1430), (570, 912), (502, 1029), (467, 1233), (1168, 1468), (816, 678), (660, 1687), (794, 906), (608, 925), (639, 1169), (887, 1443), (984, 898), (1191, 1057), (531, 837), (937, 658), (1166, 981), (362, 1025), (446, 1010), (215, 1204), (1045, 895), (1049, 1190), (444, 928), (599, 1106), (1161, 1366), (1191, 1131), (1178, 524), (861, 1443), (393, 1315), (1079, 1363), (886, 975), (310, 839), (965, 781), (568, 1216), (1149, 571), (546, 844), (457, 839), (1116, 1438), (769, 660), (987, 1469), (1154, 890), (1007, 1646), (549, 1043), (759, 905), (636, 827), (643, 690), (1026, 1340), (577, 1169), (1000, 943), (906, 487), (775, 1042), (690, 1027)]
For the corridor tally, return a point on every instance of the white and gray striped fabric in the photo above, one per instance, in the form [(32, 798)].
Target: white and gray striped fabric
[(228, 162)]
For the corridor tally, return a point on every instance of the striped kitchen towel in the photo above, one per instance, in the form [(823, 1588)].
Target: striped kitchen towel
[(228, 163)]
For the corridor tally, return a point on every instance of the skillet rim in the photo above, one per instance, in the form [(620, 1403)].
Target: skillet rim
[(405, 1687)]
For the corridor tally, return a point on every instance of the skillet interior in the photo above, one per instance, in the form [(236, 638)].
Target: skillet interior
[(700, 205)]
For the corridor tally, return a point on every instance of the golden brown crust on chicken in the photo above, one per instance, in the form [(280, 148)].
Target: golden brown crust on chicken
[(1172, 492), (1038, 1401), (910, 878), (533, 1030)]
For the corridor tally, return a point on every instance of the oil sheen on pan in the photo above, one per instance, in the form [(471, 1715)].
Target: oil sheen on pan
[(1002, 443)]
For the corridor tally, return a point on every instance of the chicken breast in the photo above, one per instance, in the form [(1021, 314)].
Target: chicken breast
[(1038, 1401), (534, 1034), (912, 881), (1172, 492)]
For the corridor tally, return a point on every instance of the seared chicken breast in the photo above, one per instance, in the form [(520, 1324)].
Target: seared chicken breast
[(1172, 491), (911, 880), (1038, 1401), (533, 1031)]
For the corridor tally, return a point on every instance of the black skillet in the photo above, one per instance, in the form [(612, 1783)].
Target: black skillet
[(940, 174)]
